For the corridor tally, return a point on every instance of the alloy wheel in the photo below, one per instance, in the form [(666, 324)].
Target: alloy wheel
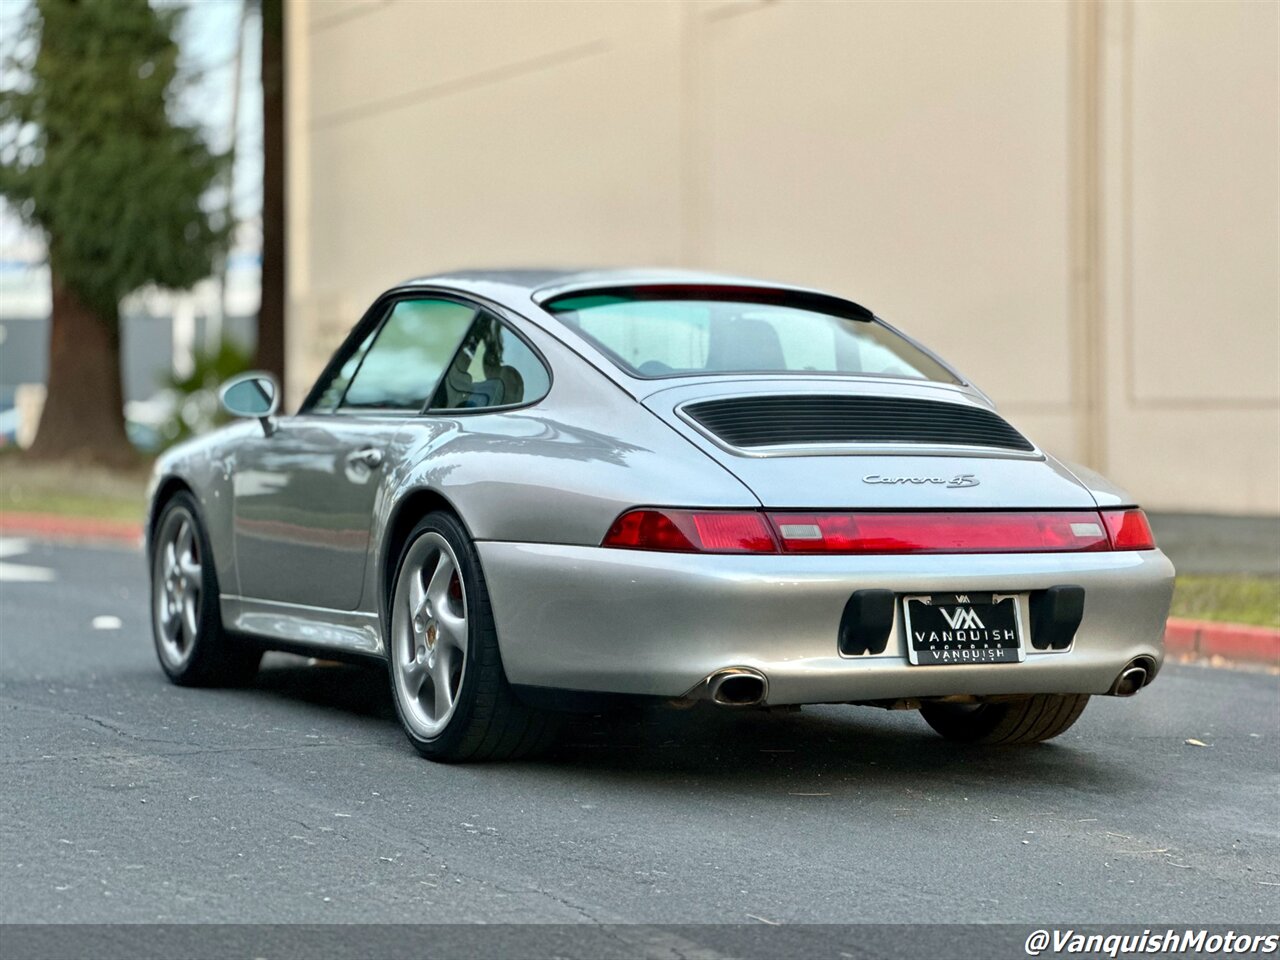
[(429, 634), (179, 582)]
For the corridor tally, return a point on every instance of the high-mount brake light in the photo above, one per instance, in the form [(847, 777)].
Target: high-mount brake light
[(692, 531), (1129, 529)]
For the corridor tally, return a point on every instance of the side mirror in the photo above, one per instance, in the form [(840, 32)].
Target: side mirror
[(252, 395)]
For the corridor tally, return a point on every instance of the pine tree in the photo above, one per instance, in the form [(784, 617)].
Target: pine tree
[(95, 161)]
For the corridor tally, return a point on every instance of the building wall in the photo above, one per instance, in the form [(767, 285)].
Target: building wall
[(1075, 203)]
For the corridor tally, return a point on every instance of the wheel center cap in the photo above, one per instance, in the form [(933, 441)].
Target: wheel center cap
[(432, 633)]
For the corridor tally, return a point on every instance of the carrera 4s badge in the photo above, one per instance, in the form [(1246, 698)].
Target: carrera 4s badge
[(955, 483)]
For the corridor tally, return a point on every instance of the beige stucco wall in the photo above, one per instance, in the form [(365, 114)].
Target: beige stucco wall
[(1076, 203)]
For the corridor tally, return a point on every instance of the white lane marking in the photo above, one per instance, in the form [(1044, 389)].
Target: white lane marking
[(12, 546), (107, 622), (20, 572)]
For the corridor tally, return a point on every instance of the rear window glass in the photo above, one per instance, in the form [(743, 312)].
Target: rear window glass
[(656, 337)]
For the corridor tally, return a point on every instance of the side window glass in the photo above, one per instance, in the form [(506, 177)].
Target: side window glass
[(331, 395), (493, 368), (407, 357)]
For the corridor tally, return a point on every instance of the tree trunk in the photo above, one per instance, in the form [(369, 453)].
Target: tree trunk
[(271, 313), (83, 417)]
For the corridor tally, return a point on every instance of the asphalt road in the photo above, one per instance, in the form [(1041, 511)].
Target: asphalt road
[(298, 800)]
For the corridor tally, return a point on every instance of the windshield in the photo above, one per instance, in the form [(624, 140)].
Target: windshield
[(671, 336)]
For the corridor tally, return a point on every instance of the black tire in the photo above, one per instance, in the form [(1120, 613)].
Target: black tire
[(207, 657), (488, 721), (1026, 720)]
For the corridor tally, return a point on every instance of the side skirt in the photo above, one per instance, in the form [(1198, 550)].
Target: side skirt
[(288, 625)]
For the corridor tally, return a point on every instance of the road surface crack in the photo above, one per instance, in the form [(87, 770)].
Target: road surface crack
[(120, 731)]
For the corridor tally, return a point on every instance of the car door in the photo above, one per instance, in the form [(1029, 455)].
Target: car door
[(304, 495)]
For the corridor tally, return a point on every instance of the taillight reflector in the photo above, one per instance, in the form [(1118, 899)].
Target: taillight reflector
[(1129, 530), (890, 533)]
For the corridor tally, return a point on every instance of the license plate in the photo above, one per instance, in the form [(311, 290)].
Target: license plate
[(946, 628)]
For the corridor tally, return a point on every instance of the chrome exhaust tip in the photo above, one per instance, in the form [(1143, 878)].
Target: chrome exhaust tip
[(1136, 675), (1129, 682), (737, 687)]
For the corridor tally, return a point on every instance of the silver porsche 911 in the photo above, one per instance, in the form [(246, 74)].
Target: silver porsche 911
[(534, 491)]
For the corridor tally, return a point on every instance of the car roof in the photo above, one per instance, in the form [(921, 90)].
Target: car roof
[(520, 289), (516, 287)]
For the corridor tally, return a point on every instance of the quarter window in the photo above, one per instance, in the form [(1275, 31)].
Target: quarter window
[(402, 366), (493, 368)]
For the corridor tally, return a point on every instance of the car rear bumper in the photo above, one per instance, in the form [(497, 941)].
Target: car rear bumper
[(633, 622)]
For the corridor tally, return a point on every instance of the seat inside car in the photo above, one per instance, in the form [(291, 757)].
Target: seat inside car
[(743, 343), (503, 385)]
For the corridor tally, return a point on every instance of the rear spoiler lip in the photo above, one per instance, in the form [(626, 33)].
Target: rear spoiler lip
[(710, 290)]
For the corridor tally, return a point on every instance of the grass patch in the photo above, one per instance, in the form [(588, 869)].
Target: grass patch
[(71, 489), (1236, 599)]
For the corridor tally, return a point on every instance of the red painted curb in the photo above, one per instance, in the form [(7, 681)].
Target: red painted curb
[(1234, 641), (1181, 636), (51, 526)]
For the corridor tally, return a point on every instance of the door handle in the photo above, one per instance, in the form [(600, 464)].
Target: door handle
[(369, 456)]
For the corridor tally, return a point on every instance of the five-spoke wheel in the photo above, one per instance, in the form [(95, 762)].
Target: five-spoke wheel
[(180, 581), (442, 646), (185, 619), (429, 634)]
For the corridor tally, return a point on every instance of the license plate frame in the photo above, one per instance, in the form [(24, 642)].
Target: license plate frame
[(984, 631)]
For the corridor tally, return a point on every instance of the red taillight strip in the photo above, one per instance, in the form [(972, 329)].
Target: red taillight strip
[(749, 531)]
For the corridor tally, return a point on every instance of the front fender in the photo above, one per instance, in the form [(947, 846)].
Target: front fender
[(203, 466)]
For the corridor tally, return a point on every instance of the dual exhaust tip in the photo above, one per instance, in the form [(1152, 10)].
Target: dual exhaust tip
[(747, 687)]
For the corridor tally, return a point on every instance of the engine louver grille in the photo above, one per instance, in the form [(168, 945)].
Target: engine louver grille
[(807, 419)]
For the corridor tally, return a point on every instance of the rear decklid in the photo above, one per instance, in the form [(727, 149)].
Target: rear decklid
[(841, 443)]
